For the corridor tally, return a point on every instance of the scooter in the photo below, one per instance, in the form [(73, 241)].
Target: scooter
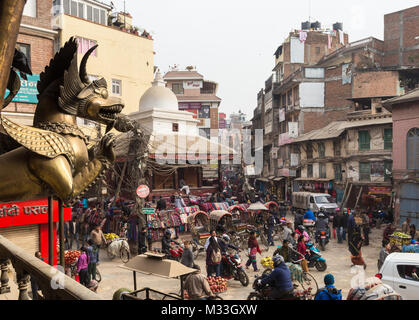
[(232, 268), (315, 259), (176, 252)]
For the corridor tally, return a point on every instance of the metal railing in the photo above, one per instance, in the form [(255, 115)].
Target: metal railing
[(53, 284)]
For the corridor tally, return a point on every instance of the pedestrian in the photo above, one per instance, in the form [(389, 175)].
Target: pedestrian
[(287, 232), (150, 240), (388, 231), (161, 204), (384, 252), (179, 203), (34, 282), (304, 253), (187, 258), (271, 224), (213, 234), (213, 260), (184, 187), (92, 253), (299, 219), (282, 211), (142, 237), (73, 230), (285, 251), (412, 231), (365, 228), (345, 218), (98, 238), (355, 245), (294, 239), (197, 286), (253, 249), (350, 226), (329, 292), (83, 267), (338, 226), (406, 226)]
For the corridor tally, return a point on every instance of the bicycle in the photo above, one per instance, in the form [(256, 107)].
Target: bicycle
[(73, 268), (124, 252)]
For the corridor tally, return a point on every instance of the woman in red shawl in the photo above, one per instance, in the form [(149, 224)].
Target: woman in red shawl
[(253, 248)]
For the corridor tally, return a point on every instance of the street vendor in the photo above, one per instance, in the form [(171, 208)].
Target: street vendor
[(197, 286)]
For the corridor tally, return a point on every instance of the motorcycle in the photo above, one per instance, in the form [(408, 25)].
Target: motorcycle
[(315, 259), (175, 252), (263, 292), (322, 238), (232, 268)]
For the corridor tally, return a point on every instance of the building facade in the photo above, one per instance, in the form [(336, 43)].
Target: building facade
[(405, 173), (196, 95)]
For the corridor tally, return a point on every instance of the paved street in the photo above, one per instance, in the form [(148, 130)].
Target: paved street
[(336, 255)]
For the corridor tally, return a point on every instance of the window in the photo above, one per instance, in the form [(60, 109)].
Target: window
[(66, 6), (321, 149), (102, 17), (309, 151), (388, 139), (336, 148), (364, 171), (377, 169), (175, 127), (322, 170), (73, 8), (116, 87), (311, 200), (30, 8), (289, 95), (177, 88), (81, 10), (364, 140), (89, 13), (412, 149), (388, 168), (338, 171), (85, 45), (26, 50), (296, 94), (309, 171), (317, 50), (408, 272), (96, 15), (284, 100)]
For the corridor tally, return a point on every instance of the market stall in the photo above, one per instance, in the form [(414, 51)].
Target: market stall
[(154, 264)]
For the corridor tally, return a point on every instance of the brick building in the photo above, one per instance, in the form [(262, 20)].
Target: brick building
[(36, 41), (405, 112), (196, 95)]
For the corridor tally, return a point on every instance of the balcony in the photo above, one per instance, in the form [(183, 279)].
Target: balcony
[(53, 284)]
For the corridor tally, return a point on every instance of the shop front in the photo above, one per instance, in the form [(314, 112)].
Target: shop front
[(26, 224), (375, 197)]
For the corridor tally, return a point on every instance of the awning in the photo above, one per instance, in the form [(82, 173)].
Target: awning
[(257, 206), (158, 267), (313, 179), (262, 179), (271, 177), (279, 179)]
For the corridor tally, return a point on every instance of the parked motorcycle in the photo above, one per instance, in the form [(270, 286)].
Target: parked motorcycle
[(232, 268), (315, 259), (176, 251)]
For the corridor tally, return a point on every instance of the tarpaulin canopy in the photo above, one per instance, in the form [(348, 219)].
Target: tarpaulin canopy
[(257, 206), (158, 267)]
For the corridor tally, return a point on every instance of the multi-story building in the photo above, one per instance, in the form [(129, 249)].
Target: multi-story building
[(405, 173), (36, 41), (124, 57), (196, 95)]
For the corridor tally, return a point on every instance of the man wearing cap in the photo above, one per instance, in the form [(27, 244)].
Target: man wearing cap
[(329, 292), (279, 279)]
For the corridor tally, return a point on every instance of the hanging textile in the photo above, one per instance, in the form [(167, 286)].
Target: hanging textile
[(303, 36)]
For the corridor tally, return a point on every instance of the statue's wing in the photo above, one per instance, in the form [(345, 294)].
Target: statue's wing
[(43, 142)]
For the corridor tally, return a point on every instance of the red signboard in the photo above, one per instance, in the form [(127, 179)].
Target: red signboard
[(29, 212), (143, 191), (379, 190)]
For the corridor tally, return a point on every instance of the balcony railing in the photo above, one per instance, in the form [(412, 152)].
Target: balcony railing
[(53, 284)]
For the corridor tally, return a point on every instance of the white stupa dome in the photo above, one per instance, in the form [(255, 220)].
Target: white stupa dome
[(158, 96)]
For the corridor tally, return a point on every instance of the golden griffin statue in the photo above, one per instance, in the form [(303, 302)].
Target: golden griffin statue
[(53, 157)]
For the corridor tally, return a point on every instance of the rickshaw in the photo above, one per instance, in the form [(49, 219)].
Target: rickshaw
[(221, 219), (198, 224), (259, 216), (240, 220)]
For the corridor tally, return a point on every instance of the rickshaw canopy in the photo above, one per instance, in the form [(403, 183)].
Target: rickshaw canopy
[(267, 205), (218, 214), (237, 207), (257, 206)]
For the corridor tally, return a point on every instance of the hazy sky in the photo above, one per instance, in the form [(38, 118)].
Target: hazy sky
[(232, 42)]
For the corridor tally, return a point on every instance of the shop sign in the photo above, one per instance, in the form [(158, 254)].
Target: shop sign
[(28, 91), (29, 212), (379, 190), (148, 210), (189, 105), (143, 191), (192, 84)]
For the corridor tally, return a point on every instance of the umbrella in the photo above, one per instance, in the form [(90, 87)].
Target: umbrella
[(257, 206)]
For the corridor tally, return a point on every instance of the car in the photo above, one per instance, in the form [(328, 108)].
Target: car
[(400, 271)]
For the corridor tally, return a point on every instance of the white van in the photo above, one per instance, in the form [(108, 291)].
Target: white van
[(314, 201), (400, 271)]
